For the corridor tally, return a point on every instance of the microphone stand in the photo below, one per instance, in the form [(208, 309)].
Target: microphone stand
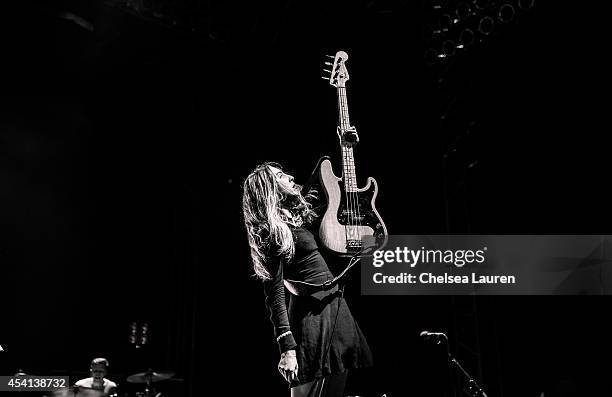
[(473, 387)]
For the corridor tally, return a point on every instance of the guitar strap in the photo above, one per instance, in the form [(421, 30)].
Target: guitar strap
[(303, 288)]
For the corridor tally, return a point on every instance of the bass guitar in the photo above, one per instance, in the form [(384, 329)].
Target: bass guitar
[(351, 226)]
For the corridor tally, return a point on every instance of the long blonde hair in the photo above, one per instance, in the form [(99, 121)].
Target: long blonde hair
[(268, 211)]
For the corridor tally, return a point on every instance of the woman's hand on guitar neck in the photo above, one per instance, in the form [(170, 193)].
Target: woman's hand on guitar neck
[(351, 137)]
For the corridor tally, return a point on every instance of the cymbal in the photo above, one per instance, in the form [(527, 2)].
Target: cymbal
[(149, 376)]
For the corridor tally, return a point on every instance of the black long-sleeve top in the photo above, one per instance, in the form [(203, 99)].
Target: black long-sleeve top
[(274, 290)]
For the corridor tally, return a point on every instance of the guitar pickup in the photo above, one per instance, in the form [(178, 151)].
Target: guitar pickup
[(352, 216)]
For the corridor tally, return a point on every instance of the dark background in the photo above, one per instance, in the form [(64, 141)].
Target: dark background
[(125, 137)]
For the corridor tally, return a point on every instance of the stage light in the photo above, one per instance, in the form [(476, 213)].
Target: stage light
[(133, 333), (436, 4), (457, 26), (464, 11), (432, 31), (525, 4), (505, 13), (486, 25), (448, 49), (481, 4), (144, 335), (446, 22), (466, 38)]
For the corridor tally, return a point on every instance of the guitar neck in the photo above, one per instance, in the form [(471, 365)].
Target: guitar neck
[(343, 113), (348, 161)]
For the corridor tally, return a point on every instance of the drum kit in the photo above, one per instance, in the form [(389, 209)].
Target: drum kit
[(78, 391), (146, 379)]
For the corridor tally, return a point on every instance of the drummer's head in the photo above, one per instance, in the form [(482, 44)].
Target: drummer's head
[(98, 367)]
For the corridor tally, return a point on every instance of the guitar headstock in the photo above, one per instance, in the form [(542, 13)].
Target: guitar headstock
[(338, 75)]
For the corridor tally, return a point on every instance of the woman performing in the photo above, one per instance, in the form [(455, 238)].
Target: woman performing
[(317, 336)]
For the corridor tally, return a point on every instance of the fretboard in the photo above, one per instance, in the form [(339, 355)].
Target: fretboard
[(343, 113), (348, 161), (348, 169)]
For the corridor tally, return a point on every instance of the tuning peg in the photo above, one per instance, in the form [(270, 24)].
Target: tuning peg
[(330, 56), (329, 63), (326, 70), (325, 78)]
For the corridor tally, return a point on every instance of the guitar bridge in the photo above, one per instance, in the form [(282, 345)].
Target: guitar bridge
[(354, 245)]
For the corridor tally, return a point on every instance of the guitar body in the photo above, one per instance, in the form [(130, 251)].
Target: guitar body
[(349, 217)]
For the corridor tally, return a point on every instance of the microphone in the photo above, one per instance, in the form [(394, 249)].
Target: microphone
[(437, 336)]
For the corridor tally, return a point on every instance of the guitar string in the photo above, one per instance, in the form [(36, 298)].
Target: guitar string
[(358, 206), (349, 195), (354, 210), (351, 174), (348, 176), (359, 226), (351, 192), (346, 195), (356, 200)]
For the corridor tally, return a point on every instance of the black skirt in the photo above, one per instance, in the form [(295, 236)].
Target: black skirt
[(328, 338)]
